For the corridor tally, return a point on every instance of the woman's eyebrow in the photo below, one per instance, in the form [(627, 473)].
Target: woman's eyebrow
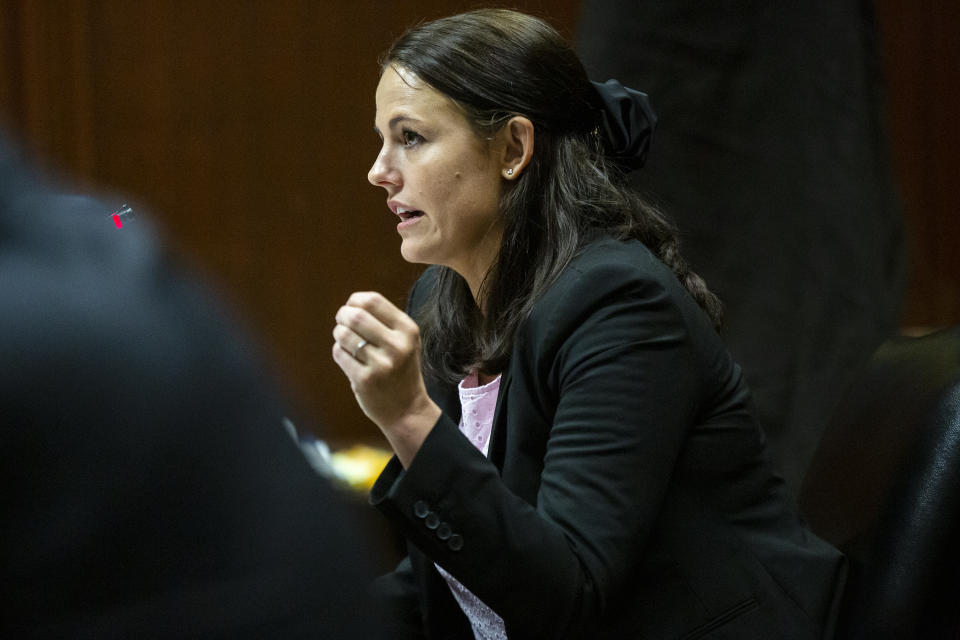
[(394, 121), (402, 118)]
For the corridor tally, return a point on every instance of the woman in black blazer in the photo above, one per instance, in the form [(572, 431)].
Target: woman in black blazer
[(612, 482)]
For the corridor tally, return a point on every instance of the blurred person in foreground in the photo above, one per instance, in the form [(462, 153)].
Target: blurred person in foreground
[(149, 488), (575, 455)]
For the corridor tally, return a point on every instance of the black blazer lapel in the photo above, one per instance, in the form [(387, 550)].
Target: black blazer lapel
[(498, 435)]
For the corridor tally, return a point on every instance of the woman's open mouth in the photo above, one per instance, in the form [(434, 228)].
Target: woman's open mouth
[(408, 217), (408, 214)]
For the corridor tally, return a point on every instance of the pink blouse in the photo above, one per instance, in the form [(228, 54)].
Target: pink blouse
[(476, 421)]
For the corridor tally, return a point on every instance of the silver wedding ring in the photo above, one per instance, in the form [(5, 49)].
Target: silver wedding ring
[(356, 349)]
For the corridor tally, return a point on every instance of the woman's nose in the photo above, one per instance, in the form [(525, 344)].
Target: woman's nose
[(381, 174)]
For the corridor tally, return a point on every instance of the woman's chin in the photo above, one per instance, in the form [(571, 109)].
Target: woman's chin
[(410, 253)]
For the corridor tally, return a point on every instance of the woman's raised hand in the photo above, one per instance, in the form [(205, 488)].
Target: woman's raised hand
[(378, 347)]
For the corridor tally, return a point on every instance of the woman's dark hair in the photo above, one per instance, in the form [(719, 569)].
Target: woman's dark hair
[(496, 64)]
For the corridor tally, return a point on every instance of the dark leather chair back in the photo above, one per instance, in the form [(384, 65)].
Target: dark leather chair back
[(884, 487)]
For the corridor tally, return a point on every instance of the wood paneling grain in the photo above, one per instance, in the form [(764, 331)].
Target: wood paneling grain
[(922, 64)]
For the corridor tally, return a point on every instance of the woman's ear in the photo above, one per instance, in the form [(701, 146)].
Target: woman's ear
[(518, 146)]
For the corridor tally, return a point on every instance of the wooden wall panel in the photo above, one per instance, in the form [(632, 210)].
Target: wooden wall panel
[(246, 129), (922, 62)]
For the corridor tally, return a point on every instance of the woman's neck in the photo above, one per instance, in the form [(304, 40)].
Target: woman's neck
[(477, 267), (486, 378)]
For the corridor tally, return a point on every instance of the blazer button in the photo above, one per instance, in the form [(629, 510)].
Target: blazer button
[(444, 531), (420, 509), (432, 521), (455, 542)]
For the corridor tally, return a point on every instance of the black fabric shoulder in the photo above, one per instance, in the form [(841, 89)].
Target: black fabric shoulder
[(607, 280), (608, 262)]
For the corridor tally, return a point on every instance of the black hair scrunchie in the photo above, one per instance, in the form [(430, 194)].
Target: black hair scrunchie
[(626, 123)]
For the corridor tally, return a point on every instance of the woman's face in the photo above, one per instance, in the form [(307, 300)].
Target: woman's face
[(442, 180)]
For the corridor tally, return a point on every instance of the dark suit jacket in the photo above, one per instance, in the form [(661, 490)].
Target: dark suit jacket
[(148, 487), (628, 492)]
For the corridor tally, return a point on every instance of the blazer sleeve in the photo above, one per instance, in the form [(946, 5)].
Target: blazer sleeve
[(613, 372)]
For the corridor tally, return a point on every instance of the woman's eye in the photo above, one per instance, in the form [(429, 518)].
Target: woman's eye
[(410, 138)]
